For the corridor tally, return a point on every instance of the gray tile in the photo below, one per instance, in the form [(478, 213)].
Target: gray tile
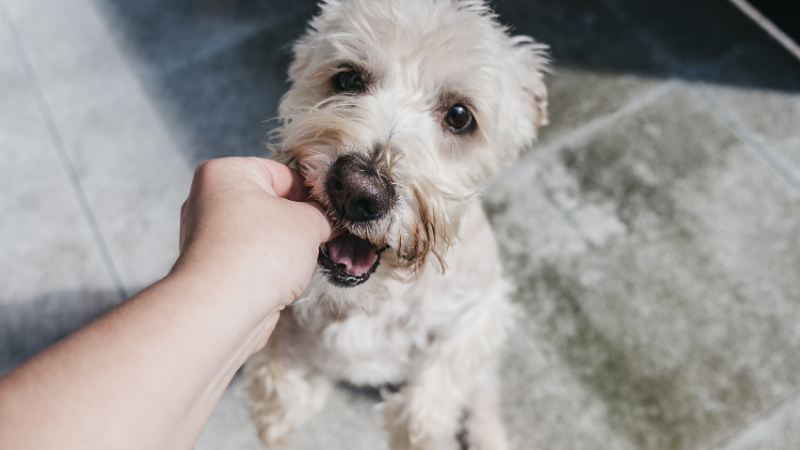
[(68, 45), (135, 179), (54, 279), (658, 259), (125, 154)]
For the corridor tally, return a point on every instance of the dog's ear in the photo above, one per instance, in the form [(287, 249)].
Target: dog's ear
[(303, 48), (534, 63), (301, 58)]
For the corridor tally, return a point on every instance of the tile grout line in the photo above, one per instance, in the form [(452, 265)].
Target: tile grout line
[(63, 156), (524, 330), (748, 137), (589, 128), (754, 421)]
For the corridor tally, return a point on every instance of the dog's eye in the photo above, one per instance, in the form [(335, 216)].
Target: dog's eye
[(348, 81), (459, 118)]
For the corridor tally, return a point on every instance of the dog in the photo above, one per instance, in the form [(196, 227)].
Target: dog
[(399, 111)]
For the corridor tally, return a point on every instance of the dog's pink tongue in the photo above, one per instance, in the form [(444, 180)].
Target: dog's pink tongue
[(356, 254)]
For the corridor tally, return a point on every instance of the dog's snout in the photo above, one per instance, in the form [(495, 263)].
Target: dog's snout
[(357, 194)]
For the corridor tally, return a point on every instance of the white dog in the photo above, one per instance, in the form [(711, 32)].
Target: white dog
[(399, 111)]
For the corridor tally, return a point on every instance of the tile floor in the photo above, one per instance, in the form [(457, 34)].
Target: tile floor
[(653, 233)]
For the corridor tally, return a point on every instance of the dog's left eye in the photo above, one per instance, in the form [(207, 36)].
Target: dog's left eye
[(459, 118), (348, 81)]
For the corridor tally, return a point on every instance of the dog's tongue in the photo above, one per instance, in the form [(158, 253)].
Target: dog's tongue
[(356, 254)]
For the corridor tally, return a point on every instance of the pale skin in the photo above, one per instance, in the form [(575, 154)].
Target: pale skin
[(148, 374)]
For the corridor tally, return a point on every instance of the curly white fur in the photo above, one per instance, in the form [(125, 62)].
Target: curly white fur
[(436, 332)]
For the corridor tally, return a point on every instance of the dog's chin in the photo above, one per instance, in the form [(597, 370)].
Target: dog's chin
[(349, 260)]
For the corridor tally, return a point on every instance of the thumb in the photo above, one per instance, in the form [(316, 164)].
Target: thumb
[(317, 222)]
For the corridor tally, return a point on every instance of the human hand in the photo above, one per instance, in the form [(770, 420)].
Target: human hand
[(249, 245), (247, 220)]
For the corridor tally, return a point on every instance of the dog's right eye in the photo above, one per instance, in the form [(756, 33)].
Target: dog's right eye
[(348, 81), (459, 118)]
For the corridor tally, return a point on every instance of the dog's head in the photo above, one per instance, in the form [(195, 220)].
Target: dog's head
[(398, 112)]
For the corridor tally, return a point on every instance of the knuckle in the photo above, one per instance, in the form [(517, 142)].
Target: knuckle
[(213, 168)]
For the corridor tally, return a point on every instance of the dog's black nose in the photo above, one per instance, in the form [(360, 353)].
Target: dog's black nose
[(357, 194)]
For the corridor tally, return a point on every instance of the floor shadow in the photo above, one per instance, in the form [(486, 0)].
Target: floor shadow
[(27, 327), (219, 66)]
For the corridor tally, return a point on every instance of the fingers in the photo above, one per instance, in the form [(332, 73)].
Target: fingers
[(286, 182), (289, 184), (276, 179)]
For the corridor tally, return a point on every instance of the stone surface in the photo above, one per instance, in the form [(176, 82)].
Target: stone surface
[(122, 151), (658, 258), (53, 276)]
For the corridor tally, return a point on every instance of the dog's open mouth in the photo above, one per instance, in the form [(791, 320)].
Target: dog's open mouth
[(349, 260)]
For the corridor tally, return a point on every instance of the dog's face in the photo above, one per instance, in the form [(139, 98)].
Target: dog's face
[(399, 110)]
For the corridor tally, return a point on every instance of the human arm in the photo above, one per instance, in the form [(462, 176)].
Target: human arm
[(148, 374)]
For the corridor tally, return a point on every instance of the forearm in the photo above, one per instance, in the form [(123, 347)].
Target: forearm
[(146, 375)]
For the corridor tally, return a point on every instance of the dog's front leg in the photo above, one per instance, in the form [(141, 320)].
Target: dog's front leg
[(455, 375), (281, 390)]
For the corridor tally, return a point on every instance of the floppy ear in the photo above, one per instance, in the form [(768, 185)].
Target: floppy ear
[(303, 48), (534, 63)]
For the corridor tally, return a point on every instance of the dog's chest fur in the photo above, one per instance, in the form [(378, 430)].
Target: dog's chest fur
[(376, 334)]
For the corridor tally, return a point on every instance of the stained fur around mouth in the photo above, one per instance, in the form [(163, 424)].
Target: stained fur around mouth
[(337, 276)]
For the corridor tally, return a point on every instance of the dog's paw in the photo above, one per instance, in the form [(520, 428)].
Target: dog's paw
[(274, 434), (415, 421)]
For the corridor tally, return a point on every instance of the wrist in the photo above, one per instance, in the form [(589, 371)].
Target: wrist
[(228, 306), (237, 289)]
